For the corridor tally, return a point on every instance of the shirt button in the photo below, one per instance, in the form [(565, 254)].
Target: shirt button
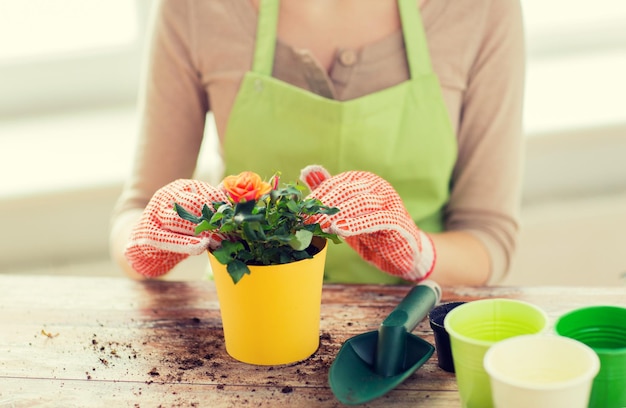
[(347, 57)]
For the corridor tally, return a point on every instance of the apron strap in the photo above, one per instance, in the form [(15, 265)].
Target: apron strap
[(415, 44), (267, 23)]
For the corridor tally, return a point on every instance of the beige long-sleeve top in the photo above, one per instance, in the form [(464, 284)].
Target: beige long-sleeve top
[(200, 50)]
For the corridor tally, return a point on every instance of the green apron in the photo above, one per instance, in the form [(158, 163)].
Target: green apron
[(402, 133)]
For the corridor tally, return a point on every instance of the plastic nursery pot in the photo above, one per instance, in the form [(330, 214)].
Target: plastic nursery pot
[(477, 325), (541, 371), (272, 315), (442, 338), (603, 328)]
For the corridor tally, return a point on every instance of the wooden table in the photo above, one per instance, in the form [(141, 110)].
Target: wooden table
[(82, 341)]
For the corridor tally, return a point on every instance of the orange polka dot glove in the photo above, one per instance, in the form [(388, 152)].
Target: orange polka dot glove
[(373, 221), (162, 238)]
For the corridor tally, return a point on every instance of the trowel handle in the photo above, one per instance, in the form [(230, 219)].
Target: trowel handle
[(392, 333), (415, 306)]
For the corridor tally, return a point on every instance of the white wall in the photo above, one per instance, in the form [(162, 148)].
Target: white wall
[(574, 209)]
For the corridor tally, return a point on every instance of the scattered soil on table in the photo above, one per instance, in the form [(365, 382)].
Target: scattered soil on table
[(190, 351)]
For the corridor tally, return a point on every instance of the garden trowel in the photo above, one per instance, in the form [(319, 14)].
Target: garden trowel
[(371, 364)]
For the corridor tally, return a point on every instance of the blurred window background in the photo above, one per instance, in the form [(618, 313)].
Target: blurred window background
[(66, 54), (69, 78), (577, 57)]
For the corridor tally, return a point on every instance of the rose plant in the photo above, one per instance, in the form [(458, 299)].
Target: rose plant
[(261, 223)]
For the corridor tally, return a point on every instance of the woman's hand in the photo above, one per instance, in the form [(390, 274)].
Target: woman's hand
[(162, 238), (373, 221)]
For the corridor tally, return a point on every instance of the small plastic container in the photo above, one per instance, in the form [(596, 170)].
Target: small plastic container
[(442, 339)]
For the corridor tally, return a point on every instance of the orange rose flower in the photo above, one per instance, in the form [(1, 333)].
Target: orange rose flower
[(245, 186)]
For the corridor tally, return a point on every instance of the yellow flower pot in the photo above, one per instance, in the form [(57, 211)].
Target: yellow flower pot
[(272, 315)]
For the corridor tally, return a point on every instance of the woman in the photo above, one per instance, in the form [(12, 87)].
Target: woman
[(351, 85)]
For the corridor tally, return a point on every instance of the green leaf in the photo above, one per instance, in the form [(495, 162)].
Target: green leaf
[(332, 237), (329, 210), (301, 240), (253, 231), (300, 255), (223, 257), (228, 227), (245, 207), (286, 257), (245, 256), (237, 269), (203, 226), (207, 213), (317, 231), (227, 252), (186, 215), (242, 218), (216, 218), (222, 207), (293, 206)]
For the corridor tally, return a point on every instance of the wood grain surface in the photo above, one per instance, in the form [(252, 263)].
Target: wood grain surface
[(81, 341)]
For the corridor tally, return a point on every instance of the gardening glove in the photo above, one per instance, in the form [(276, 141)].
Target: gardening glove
[(162, 238), (372, 220)]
